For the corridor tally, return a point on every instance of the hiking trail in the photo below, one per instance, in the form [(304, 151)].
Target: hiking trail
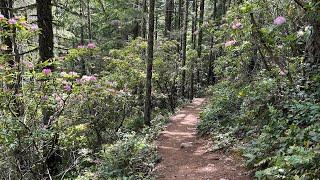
[(185, 156)]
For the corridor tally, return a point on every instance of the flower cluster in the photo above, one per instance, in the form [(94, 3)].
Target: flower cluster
[(236, 25), (19, 21), (230, 43), (86, 78), (91, 45), (67, 88), (12, 21), (47, 71), (28, 64), (279, 20)]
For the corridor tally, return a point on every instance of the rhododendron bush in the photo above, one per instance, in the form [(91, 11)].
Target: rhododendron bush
[(265, 106), (61, 114)]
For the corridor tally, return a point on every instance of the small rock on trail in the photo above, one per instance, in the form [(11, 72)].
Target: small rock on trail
[(186, 145)]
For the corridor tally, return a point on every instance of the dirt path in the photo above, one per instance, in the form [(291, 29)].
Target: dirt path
[(186, 157)]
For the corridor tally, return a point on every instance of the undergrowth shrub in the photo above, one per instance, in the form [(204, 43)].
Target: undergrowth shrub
[(132, 157), (276, 129), (222, 109)]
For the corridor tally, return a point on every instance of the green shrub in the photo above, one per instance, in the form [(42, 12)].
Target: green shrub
[(133, 157), (277, 129)]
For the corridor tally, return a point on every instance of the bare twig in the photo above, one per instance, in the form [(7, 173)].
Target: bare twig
[(301, 4)]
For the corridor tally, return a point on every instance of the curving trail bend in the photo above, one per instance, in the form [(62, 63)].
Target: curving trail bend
[(187, 157)]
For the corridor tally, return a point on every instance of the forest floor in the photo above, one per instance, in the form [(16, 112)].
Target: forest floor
[(185, 156)]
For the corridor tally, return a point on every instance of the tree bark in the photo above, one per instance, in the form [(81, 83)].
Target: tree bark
[(211, 78), (89, 21), (199, 50), (180, 14), (169, 8), (156, 28), (148, 105), (144, 20), (200, 28), (51, 149), (82, 60), (184, 46), (44, 13), (194, 44)]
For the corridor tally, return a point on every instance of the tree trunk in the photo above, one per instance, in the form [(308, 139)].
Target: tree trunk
[(144, 20), (89, 21), (156, 28), (147, 108), (180, 14), (82, 60), (194, 45), (184, 47), (44, 10), (200, 28), (200, 38), (169, 8), (211, 78), (51, 149)]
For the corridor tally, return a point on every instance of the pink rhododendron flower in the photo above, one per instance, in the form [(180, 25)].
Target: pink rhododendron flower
[(93, 78), (46, 71), (1, 66), (28, 64), (58, 99), (67, 88), (236, 25), (88, 78), (91, 46), (34, 27), (80, 46), (1, 16), (283, 72), (63, 74), (279, 20), (230, 43), (12, 21)]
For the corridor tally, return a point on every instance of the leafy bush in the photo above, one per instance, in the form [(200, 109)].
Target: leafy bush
[(132, 157), (267, 110), (223, 108)]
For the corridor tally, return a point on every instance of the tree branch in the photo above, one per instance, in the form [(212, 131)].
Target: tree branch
[(301, 4), (20, 8), (68, 10)]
